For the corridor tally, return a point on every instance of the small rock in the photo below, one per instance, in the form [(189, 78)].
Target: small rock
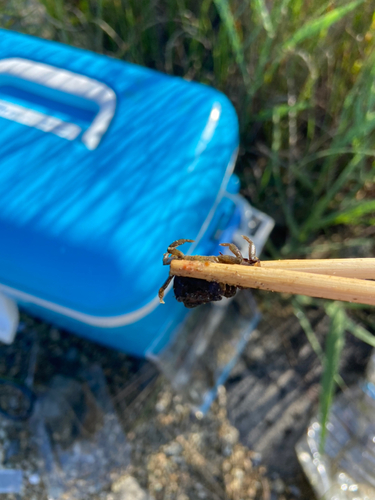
[(227, 451), (173, 449), (160, 407), (128, 488), (164, 402), (199, 415), (222, 396), (238, 474), (256, 458), (34, 479), (229, 435), (157, 487)]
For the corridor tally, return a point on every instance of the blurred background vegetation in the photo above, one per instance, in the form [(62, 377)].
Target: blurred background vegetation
[(301, 76)]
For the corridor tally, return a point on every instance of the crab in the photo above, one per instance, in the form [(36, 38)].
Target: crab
[(193, 292)]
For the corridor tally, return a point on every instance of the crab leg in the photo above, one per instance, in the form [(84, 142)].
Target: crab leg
[(163, 288), (252, 249), (173, 252), (228, 259)]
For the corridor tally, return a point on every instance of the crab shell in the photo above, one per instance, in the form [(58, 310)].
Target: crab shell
[(193, 292)]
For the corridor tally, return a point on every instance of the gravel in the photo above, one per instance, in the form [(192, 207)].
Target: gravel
[(174, 455)]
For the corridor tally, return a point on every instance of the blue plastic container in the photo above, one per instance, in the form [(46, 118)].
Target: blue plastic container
[(102, 165)]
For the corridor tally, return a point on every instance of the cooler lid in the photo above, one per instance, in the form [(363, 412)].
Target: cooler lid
[(102, 165)]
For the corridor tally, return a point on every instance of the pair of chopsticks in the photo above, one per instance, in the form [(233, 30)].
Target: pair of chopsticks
[(336, 279)]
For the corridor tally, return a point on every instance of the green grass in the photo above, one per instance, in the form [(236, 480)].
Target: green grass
[(301, 74)]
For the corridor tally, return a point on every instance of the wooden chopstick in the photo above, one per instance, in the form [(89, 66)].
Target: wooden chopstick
[(279, 280), (349, 268)]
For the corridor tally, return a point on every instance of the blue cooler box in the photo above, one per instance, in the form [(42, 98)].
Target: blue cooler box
[(102, 165)]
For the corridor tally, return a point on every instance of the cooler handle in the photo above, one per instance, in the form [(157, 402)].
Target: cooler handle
[(60, 85)]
